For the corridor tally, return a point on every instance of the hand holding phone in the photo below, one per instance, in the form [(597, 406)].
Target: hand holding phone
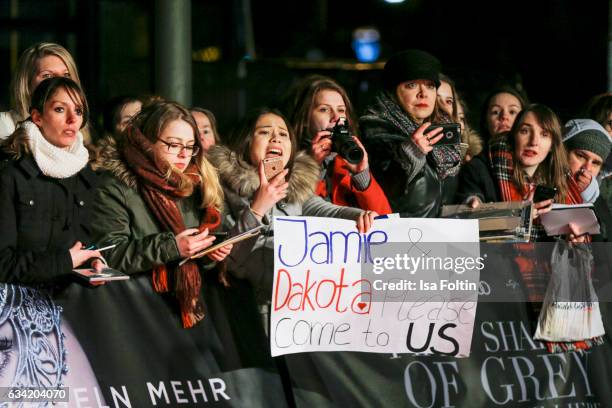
[(451, 132), (543, 193), (272, 166)]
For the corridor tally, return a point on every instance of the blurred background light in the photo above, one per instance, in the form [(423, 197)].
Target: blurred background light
[(366, 44)]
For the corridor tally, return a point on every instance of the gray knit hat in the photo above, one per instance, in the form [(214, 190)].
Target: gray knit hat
[(586, 134)]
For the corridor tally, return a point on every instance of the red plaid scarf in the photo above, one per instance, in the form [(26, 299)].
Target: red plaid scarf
[(500, 156), (534, 276)]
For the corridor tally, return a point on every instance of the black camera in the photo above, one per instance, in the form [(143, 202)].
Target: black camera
[(344, 144)]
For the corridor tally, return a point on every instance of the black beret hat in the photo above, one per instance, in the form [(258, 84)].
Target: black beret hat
[(411, 65)]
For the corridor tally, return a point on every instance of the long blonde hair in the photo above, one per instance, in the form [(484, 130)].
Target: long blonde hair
[(151, 121), (27, 68)]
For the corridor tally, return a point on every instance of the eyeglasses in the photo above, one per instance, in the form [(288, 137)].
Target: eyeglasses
[(177, 148)]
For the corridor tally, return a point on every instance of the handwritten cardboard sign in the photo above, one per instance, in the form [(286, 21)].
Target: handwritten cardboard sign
[(321, 301)]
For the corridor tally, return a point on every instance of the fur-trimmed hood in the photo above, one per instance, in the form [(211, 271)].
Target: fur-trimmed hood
[(243, 179), (108, 158)]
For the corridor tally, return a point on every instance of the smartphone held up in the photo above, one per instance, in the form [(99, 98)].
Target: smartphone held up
[(451, 133), (272, 166)]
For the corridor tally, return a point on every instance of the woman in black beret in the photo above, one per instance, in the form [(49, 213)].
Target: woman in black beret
[(417, 176)]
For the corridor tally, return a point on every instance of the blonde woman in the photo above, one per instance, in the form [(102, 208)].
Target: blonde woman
[(160, 205), (39, 62)]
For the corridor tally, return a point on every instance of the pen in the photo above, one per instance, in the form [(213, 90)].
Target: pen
[(93, 247), (214, 234)]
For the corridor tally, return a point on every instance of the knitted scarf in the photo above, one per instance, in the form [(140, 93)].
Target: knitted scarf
[(446, 158), (54, 161), (534, 276), (500, 157), (161, 193)]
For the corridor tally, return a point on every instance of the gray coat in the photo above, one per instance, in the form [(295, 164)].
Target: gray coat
[(253, 259)]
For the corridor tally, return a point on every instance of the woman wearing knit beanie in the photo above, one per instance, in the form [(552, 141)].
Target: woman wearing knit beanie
[(417, 176)]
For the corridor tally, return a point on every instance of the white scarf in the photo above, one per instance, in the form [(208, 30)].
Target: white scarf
[(54, 161)]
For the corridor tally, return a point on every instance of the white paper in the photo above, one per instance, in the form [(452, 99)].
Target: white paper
[(318, 303), (556, 221)]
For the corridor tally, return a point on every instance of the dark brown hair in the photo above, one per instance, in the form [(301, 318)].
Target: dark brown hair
[(242, 139), (484, 130), (599, 108), (451, 83), (554, 169), (13, 146), (112, 111), (49, 87)]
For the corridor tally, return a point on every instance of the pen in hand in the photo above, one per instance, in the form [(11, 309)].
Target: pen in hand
[(95, 248), (215, 234)]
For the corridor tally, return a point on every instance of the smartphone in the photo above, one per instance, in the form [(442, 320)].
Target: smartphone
[(220, 235), (272, 166), (451, 132), (543, 193)]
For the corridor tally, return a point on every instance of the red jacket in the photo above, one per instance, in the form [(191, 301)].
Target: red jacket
[(344, 193)]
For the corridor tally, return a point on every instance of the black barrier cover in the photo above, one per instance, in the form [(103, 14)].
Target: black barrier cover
[(125, 347), (506, 368)]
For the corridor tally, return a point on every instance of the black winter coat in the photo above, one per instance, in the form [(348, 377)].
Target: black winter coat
[(40, 219), (419, 196), (476, 179)]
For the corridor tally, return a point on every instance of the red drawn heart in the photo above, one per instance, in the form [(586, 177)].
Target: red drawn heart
[(362, 305)]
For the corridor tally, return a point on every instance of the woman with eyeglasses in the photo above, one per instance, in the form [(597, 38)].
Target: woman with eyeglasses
[(161, 205)]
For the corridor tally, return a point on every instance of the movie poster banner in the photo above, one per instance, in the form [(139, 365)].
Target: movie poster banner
[(122, 345), (506, 366)]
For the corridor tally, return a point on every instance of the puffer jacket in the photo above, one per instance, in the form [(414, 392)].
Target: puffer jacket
[(253, 259)]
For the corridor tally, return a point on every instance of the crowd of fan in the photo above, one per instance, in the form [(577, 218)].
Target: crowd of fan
[(161, 180)]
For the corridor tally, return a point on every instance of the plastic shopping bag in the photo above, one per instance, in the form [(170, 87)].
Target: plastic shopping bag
[(570, 311)]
